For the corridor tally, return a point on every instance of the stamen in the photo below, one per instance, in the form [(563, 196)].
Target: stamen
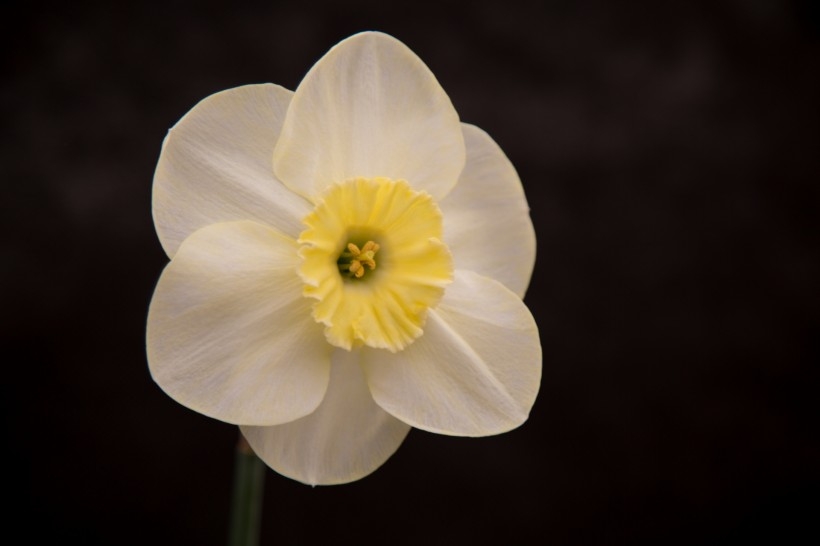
[(358, 258)]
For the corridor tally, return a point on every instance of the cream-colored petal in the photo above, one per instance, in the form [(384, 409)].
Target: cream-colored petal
[(487, 224), (368, 108), (229, 333), (474, 372), (216, 166), (345, 439)]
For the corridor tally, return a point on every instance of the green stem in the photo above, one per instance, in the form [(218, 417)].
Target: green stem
[(246, 504)]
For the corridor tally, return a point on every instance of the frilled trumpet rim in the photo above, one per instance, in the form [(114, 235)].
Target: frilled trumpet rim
[(373, 258)]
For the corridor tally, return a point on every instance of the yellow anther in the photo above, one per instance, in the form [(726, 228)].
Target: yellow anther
[(359, 257)]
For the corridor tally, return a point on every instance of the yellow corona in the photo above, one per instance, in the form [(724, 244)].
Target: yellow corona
[(373, 258)]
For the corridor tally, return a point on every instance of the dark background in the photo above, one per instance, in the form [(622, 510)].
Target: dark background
[(670, 155)]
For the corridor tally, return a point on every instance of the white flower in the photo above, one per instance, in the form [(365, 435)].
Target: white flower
[(347, 261)]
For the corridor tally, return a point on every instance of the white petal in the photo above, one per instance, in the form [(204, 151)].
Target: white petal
[(345, 439), (230, 334), (474, 372), (370, 107), (216, 165), (487, 224)]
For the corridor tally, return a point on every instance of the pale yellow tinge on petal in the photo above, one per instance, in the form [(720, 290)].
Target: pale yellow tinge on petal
[(399, 230), (369, 108)]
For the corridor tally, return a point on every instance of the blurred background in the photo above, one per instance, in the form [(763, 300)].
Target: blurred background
[(669, 151)]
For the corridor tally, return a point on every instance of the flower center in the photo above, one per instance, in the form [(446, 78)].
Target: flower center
[(353, 260), (373, 260)]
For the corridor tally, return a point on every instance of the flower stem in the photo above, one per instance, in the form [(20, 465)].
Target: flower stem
[(246, 504)]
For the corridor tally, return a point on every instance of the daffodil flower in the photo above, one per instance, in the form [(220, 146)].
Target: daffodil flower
[(348, 261)]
